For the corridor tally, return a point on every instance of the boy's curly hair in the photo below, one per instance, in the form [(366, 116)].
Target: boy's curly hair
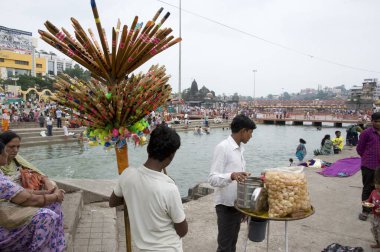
[(163, 142)]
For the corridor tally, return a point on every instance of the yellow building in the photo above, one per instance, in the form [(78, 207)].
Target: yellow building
[(12, 63), (17, 48)]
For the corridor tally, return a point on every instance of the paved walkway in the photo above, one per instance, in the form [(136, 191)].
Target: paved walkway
[(97, 229), (336, 202)]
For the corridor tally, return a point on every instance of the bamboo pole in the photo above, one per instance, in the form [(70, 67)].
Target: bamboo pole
[(122, 164)]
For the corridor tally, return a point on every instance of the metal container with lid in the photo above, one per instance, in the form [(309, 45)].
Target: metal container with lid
[(252, 195)]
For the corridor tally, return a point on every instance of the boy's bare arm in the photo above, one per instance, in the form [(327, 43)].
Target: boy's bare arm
[(115, 200)]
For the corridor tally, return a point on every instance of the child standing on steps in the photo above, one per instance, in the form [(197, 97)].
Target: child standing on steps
[(65, 130), (374, 198), (301, 150)]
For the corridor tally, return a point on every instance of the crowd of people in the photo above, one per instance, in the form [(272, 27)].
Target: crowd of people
[(46, 114), (368, 147), (157, 218)]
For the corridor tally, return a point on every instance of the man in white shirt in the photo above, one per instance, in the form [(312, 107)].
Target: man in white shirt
[(228, 168), (49, 125), (154, 204), (186, 117), (58, 115)]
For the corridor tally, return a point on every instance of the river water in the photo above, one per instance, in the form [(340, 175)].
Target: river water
[(270, 146)]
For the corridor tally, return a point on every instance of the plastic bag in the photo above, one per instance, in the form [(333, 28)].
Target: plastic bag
[(335, 247), (287, 192), (31, 179), (292, 169)]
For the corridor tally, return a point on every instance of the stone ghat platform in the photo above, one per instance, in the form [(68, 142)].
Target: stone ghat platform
[(336, 201)]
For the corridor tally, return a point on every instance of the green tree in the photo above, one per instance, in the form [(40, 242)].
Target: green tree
[(286, 96), (79, 72), (235, 97), (203, 92), (270, 96), (321, 95), (186, 94), (26, 81)]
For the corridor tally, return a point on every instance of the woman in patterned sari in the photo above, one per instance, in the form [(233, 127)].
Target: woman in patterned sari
[(327, 146), (15, 163), (29, 220)]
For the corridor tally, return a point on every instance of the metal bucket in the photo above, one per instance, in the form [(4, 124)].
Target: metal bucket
[(245, 190), (257, 229)]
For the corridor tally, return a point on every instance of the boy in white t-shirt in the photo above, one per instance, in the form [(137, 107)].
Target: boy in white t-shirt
[(65, 130), (154, 204)]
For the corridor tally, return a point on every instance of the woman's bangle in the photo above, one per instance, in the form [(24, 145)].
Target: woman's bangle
[(44, 203)]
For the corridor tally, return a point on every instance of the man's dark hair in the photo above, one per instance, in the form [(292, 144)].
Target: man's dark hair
[(163, 142), (302, 141), (8, 136), (242, 122), (375, 116), (337, 131)]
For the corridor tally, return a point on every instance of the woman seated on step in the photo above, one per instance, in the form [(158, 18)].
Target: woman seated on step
[(18, 169), (29, 220), (326, 147)]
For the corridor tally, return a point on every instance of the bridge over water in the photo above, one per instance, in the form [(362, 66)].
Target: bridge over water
[(315, 120)]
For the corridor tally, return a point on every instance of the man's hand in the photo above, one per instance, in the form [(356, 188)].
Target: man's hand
[(240, 176)]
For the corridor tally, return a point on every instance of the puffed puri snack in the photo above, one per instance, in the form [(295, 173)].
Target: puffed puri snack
[(287, 193)]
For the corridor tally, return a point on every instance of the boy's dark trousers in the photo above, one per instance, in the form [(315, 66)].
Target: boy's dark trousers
[(49, 130), (229, 220), (59, 123), (368, 176)]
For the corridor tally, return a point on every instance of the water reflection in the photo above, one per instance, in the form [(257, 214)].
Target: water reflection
[(270, 146)]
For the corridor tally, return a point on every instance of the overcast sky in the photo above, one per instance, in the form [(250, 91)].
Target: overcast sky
[(316, 32)]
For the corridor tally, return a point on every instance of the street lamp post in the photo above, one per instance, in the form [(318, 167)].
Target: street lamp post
[(254, 83), (179, 63), (282, 94)]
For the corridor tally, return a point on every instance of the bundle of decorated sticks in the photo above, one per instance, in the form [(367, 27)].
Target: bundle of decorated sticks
[(111, 98), (134, 98), (129, 50)]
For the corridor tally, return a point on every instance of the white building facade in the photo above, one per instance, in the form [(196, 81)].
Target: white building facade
[(54, 64)]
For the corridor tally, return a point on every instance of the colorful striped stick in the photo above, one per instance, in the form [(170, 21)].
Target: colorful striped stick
[(69, 42), (153, 53), (158, 13), (157, 41), (100, 31), (126, 58), (121, 46), (126, 45), (113, 60), (82, 37), (97, 47)]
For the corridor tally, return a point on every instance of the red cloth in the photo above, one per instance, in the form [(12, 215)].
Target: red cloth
[(375, 199)]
